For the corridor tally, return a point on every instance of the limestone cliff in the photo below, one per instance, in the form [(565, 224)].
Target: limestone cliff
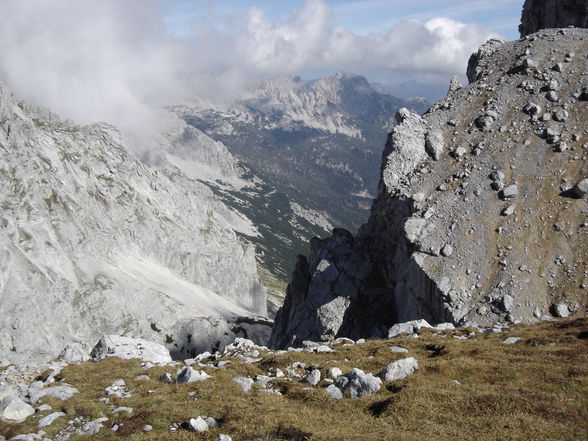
[(94, 242), (545, 14), (480, 217)]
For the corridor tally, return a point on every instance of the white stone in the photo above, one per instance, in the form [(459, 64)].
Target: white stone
[(244, 382), (128, 348), (74, 353), (48, 419), (561, 310), (198, 424), (334, 372), (398, 349), (12, 408), (334, 392), (581, 188), (511, 340), (93, 427), (313, 377), (358, 384), (62, 392), (397, 370), (407, 327), (444, 326), (189, 375)]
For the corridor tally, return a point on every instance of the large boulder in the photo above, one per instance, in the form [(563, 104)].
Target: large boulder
[(397, 370), (14, 409), (357, 383), (127, 348)]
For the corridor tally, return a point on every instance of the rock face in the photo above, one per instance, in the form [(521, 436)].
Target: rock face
[(436, 246), (544, 14), (93, 242), (311, 148)]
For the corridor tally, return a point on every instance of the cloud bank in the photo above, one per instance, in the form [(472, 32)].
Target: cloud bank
[(118, 61)]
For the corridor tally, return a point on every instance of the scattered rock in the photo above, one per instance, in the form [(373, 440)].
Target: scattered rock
[(509, 192), (581, 188), (222, 437), (189, 375), (198, 424), (532, 109), (166, 378), (128, 348), (444, 327), (93, 427), (560, 310), (397, 370), (12, 408), (244, 382), (147, 428), (47, 420), (263, 380), (358, 384), (74, 353), (511, 340), (398, 350), (407, 328), (61, 392), (447, 250), (334, 392), (313, 377), (334, 372), (508, 210)]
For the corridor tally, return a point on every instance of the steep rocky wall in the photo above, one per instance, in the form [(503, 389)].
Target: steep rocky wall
[(477, 219), (545, 14), (93, 242)]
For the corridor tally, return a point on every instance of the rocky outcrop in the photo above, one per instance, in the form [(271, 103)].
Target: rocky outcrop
[(94, 242), (478, 217), (545, 14), (128, 348)]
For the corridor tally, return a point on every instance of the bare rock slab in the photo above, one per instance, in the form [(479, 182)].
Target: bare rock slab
[(128, 348), (12, 408)]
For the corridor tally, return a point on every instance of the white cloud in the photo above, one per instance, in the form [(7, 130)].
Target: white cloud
[(114, 60)]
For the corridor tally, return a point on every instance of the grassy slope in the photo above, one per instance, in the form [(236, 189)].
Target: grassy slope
[(536, 389)]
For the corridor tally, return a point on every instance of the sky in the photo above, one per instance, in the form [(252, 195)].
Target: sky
[(122, 60)]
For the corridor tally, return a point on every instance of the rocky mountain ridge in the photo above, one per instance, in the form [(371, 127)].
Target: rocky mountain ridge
[(300, 143), (92, 241), (480, 217)]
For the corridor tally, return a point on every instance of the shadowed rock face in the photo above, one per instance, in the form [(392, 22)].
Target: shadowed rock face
[(477, 219), (546, 14)]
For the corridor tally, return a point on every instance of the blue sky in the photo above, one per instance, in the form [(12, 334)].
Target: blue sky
[(362, 17)]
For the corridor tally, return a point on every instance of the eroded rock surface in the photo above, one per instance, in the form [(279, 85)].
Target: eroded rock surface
[(94, 242), (491, 227)]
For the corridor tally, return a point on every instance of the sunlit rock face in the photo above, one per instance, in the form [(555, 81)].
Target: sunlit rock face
[(94, 242), (481, 212)]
